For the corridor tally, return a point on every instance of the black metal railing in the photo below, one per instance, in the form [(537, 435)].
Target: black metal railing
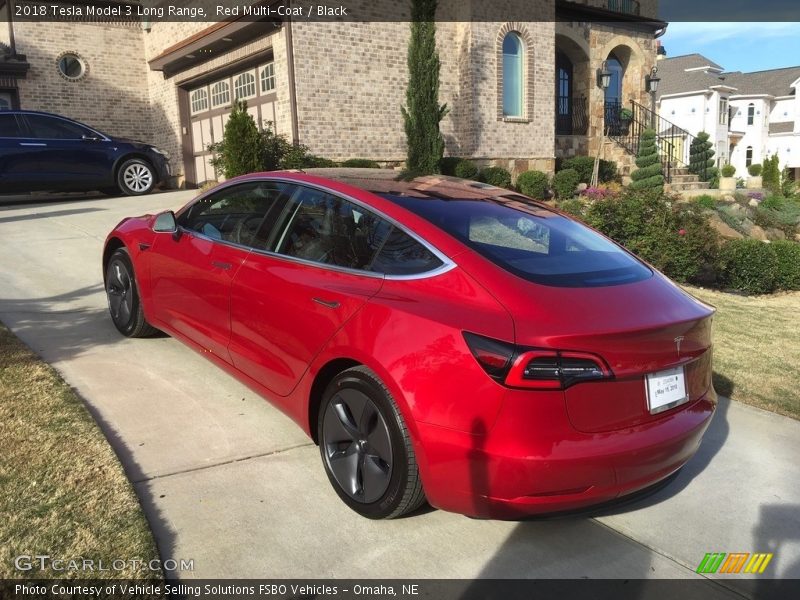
[(629, 7), (626, 125), (572, 116)]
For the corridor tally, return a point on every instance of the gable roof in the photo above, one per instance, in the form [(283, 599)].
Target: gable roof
[(675, 79)]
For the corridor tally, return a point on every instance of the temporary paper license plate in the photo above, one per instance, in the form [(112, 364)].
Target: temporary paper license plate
[(666, 389)]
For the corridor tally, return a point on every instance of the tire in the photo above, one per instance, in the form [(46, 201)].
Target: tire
[(136, 177), (124, 303), (365, 447)]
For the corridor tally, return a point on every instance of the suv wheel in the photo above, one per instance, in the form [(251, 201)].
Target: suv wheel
[(136, 177)]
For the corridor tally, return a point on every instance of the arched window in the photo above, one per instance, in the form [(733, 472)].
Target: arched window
[(751, 113), (513, 79), (749, 156), (220, 94), (268, 78), (199, 100), (244, 86), (613, 92)]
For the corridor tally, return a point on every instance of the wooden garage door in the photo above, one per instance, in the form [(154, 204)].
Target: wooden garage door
[(210, 107)]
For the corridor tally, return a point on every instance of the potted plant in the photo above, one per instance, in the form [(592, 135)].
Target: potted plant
[(727, 181), (755, 181), (625, 118)]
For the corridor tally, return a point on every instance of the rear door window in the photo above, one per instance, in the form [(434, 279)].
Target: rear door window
[(9, 126), (52, 128)]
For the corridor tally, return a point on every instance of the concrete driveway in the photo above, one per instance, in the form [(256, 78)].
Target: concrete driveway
[(228, 481)]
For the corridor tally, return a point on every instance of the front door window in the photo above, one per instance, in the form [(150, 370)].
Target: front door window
[(563, 95)]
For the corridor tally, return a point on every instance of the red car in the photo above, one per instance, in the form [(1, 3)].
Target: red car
[(440, 339)]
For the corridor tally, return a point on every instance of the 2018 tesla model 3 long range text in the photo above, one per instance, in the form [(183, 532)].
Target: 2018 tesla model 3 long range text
[(439, 339)]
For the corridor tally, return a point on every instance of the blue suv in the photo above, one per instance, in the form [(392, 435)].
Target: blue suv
[(46, 152)]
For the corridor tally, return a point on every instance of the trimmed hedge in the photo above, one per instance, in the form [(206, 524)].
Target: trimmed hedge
[(565, 183), (748, 266), (361, 163), (447, 166), (649, 174), (787, 275), (466, 169), (584, 165), (534, 184), (728, 170), (496, 176), (754, 169)]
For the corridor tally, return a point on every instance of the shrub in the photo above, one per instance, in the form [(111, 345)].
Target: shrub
[(701, 157), (754, 170), (787, 274), (779, 213), (599, 193), (312, 161), (771, 175), (447, 166), (728, 170), (466, 169), (676, 239), (706, 202), (584, 165), (748, 266), (574, 207), (242, 148), (496, 176), (361, 163), (788, 185), (565, 183), (534, 184), (649, 174)]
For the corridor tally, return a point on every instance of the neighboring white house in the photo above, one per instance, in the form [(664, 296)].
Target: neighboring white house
[(748, 116)]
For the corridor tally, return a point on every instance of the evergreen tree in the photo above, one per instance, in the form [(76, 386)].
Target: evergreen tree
[(423, 113), (701, 157), (649, 175), (241, 150), (771, 175)]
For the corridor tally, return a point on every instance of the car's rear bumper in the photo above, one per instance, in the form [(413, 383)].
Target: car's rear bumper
[(514, 470)]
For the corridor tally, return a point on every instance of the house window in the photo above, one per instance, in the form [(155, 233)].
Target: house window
[(749, 159), (199, 100), (244, 86), (220, 94), (268, 78), (71, 66), (751, 114), (723, 111), (512, 75)]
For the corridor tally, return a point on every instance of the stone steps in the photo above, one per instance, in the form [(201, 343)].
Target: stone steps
[(682, 186)]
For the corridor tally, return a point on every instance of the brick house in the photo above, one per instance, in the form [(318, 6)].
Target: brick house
[(521, 92)]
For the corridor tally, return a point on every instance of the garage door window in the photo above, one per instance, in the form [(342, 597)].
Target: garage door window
[(199, 100), (220, 94), (268, 78), (244, 86)]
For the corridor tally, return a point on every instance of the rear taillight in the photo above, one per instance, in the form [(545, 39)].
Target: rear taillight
[(535, 369)]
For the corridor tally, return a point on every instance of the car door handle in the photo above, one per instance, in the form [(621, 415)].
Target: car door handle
[(35, 144), (221, 265), (326, 303)]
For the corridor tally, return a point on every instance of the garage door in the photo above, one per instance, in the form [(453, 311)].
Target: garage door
[(210, 107)]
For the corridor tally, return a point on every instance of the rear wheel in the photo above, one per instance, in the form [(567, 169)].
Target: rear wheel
[(365, 447), (124, 303), (136, 177)]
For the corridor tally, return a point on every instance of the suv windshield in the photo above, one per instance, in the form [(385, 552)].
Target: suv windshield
[(532, 242)]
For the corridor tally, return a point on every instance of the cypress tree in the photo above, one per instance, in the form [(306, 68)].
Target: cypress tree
[(241, 150), (771, 175), (423, 113), (649, 175), (701, 157)]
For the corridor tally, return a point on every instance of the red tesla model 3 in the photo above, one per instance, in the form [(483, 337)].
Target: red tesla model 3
[(440, 339)]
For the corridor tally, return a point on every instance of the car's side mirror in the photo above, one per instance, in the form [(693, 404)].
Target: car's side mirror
[(166, 223)]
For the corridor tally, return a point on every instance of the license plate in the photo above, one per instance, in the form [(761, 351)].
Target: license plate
[(666, 389)]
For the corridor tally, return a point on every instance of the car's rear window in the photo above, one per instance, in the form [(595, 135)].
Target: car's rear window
[(534, 243)]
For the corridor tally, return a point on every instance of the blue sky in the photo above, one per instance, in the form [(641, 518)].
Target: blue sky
[(737, 46)]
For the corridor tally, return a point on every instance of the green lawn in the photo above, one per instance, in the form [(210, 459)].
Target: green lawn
[(64, 493), (757, 348)]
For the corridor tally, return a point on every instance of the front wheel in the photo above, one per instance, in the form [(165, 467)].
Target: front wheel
[(124, 303), (136, 177), (366, 449)]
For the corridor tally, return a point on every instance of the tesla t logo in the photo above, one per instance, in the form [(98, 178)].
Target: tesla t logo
[(678, 341)]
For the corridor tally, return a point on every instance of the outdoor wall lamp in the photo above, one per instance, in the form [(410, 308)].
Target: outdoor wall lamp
[(604, 76), (652, 80)]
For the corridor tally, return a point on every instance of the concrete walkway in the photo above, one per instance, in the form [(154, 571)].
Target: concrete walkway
[(228, 481)]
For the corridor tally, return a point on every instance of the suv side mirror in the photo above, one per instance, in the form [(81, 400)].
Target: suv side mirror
[(166, 223)]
